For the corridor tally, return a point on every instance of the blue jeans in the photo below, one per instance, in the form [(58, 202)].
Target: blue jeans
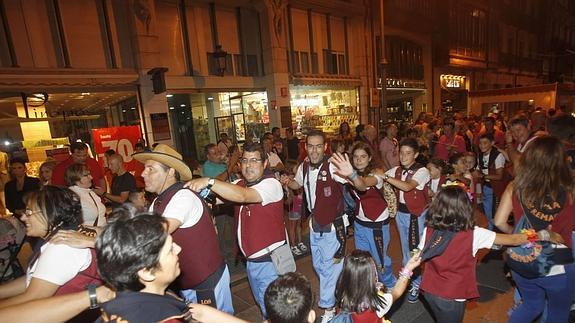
[(556, 290), (222, 293), (364, 241), (488, 202), (260, 275), (323, 248), (402, 220)]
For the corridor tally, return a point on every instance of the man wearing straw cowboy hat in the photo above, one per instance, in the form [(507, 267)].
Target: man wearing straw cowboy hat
[(204, 277)]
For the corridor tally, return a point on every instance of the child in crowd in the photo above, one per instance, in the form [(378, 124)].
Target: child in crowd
[(289, 299), (294, 202), (437, 171), (138, 200), (449, 245), (459, 172), (360, 295), (491, 165)]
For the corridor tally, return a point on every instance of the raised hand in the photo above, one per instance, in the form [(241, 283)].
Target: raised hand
[(342, 163)]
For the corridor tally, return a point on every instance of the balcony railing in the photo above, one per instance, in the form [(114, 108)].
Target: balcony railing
[(520, 63)]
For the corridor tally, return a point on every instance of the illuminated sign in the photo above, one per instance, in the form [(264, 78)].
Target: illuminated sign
[(452, 81), (402, 84)]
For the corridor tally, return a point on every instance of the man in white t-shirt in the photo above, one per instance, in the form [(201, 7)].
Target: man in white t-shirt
[(491, 163), (259, 212), (204, 277)]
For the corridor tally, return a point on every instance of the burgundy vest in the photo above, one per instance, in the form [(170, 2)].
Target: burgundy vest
[(497, 186), (328, 195), (80, 282), (200, 256), (415, 200), (451, 275), (372, 203), (262, 226)]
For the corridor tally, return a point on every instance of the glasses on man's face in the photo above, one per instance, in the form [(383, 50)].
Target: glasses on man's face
[(245, 161), (86, 174), (315, 147)]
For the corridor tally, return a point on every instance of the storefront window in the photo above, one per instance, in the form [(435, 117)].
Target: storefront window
[(323, 108)]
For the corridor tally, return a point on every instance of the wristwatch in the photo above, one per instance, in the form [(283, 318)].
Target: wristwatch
[(93, 297), (385, 177), (211, 183)]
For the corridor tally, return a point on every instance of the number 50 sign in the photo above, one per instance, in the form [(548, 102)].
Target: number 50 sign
[(120, 139)]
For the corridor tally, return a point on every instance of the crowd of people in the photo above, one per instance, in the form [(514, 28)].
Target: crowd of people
[(100, 241)]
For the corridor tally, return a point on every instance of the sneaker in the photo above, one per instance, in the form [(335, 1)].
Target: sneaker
[(413, 294), (302, 247), (295, 251), (327, 315)]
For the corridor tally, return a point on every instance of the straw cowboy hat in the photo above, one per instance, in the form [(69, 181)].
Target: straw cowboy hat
[(168, 156)]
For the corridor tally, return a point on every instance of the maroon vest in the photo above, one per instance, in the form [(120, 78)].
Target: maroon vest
[(80, 282), (262, 226), (451, 275), (372, 203), (200, 256), (415, 200), (328, 195)]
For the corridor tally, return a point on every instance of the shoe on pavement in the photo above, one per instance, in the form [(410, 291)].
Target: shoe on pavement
[(302, 247), (295, 251), (328, 315), (413, 294)]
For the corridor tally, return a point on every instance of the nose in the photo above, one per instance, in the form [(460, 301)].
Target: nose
[(177, 248)]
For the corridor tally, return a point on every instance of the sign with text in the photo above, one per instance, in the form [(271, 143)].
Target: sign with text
[(120, 139)]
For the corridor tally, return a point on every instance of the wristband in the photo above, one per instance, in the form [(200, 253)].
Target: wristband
[(405, 273), (353, 175), (544, 235), (532, 236), (93, 297)]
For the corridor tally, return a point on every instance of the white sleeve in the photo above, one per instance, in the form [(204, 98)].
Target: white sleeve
[(421, 177), (270, 190), (185, 207), (299, 175), (379, 184), (335, 176), (388, 300), (58, 264), (391, 172), (499, 161), (422, 239), (482, 239)]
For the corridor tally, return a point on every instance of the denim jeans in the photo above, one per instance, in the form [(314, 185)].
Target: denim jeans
[(364, 241), (488, 202), (445, 310), (260, 275), (402, 220), (323, 248), (222, 293)]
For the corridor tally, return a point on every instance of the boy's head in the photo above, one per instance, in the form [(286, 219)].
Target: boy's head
[(288, 299), (486, 142), (138, 200), (408, 151)]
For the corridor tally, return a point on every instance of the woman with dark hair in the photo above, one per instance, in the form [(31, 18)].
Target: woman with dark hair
[(371, 227), (54, 269), (543, 191), (79, 180), (359, 294), (449, 245)]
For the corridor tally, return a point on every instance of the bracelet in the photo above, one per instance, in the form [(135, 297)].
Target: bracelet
[(544, 235), (93, 297), (353, 175), (531, 235), (405, 273)]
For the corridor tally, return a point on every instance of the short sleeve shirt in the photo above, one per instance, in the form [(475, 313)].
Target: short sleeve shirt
[(122, 183), (310, 181), (185, 206), (482, 239), (421, 176), (58, 263)]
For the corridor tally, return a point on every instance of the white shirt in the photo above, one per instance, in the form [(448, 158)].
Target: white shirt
[(92, 206), (434, 185), (185, 206), (58, 263), (499, 162), (271, 191), (384, 215), (421, 176), (521, 147), (312, 175)]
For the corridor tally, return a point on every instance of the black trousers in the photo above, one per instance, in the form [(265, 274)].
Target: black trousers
[(445, 310)]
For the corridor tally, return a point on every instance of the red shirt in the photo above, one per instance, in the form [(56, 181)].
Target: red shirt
[(456, 143), (60, 169)]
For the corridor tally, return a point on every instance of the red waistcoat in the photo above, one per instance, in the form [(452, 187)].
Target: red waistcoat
[(80, 282), (262, 226), (372, 203), (328, 195), (415, 200), (500, 185), (200, 256), (451, 275)]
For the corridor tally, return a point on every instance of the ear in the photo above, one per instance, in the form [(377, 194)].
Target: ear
[(146, 276), (266, 163), (311, 316), (171, 172)]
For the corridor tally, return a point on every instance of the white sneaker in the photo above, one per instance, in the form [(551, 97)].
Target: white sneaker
[(327, 315), (302, 247), (295, 251)]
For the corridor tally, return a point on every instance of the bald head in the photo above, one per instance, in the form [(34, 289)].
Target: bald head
[(370, 132), (116, 164)]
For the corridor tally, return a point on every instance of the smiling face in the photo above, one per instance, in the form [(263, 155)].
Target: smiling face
[(520, 133), (315, 147), (46, 174), (86, 179), (169, 265), (407, 156), (36, 223), (361, 159)]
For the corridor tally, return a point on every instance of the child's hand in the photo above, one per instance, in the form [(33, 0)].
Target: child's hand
[(414, 261)]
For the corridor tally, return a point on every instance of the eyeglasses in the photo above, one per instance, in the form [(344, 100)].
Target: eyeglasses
[(86, 174), (315, 147), (250, 161)]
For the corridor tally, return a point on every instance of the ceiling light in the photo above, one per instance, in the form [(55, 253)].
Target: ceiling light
[(210, 98), (183, 105), (169, 95), (171, 108)]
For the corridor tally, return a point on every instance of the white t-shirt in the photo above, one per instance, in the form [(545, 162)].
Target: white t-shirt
[(499, 162), (92, 206), (385, 214), (185, 206), (312, 175), (270, 190), (58, 263), (434, 185), (421, 176)]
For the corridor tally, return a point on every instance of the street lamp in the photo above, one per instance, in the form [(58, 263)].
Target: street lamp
[(221, 59)]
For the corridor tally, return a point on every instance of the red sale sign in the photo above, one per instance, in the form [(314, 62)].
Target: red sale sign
[(120, 139)]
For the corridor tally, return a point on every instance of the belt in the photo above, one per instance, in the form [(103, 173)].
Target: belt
[(212, 280), (373, 225)]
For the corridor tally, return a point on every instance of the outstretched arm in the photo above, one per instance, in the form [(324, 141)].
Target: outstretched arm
[(230, 192)]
